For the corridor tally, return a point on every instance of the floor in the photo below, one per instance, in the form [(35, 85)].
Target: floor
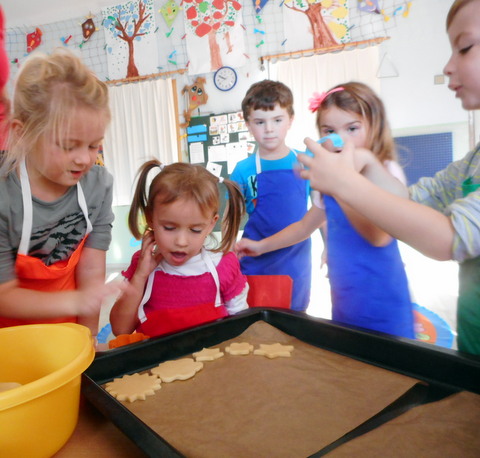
[(433, 285)]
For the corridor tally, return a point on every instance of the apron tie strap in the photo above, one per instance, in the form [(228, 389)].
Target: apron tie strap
[(148, 289), (28, 209)]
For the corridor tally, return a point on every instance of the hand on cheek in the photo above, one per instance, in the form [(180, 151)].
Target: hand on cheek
[(149, 257)]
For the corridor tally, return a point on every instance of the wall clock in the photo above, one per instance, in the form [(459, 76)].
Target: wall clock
[(225, 78)]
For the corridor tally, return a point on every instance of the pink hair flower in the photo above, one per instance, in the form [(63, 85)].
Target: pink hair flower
[(317, 99)]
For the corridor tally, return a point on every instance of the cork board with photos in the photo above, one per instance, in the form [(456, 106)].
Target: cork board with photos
[(218, 142)]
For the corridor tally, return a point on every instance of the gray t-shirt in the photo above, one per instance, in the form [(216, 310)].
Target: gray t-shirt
[(59, 226)]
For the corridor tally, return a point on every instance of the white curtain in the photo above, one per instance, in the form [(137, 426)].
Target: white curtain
[(143, 127), (307, 75)]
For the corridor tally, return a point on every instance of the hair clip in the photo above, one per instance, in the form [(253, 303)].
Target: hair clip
[(317, 99), (220, 179)]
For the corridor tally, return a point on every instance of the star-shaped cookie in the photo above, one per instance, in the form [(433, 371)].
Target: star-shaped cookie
[(274, 350), (132, 387)]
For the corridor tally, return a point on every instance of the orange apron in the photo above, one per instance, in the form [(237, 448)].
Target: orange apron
[(31, 272), (166, 321)]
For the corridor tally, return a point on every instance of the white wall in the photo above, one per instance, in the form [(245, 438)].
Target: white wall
[(31, 13), (419, 49)]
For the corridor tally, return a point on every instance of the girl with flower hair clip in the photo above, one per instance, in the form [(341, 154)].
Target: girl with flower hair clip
[(368, 282)]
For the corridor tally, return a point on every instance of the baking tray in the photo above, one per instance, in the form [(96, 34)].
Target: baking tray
[(441, 371)]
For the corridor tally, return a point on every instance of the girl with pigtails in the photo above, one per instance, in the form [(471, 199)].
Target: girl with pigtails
[(175, 281)]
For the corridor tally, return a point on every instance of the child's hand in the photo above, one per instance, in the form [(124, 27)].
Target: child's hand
[(247, 247), (149, 257), (90, 300), (326, 170)]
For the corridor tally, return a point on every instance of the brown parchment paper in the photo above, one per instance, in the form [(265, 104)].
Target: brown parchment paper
[(447, 428), (245, 406)]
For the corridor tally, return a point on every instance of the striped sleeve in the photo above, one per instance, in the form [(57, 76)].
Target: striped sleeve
[(465, 217), (443, 192)]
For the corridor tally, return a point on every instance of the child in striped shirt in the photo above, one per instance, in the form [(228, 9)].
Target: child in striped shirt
[(442, 217)]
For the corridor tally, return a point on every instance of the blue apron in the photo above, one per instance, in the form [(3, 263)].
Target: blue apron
[(281, 201), (369, 286)]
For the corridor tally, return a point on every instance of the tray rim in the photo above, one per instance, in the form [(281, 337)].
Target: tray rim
[(443, 369)]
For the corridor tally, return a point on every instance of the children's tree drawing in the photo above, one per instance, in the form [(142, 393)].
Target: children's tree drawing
[(212, 19), (129, 22), (325, 19)]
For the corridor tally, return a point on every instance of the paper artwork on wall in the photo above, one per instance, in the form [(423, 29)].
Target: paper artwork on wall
[(393, 9), (169, 12), (403, 10), (66, 40), (215, 169), (327, 22), (34, 40), (369, 6), (88, 29), (130, 39), (196, 152), (196, 96), (214, 34), (100, 157), (259, 4)]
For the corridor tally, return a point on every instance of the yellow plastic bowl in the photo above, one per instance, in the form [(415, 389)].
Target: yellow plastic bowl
[(38, 417)]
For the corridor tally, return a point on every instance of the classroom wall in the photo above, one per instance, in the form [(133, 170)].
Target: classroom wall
[(417, 50)]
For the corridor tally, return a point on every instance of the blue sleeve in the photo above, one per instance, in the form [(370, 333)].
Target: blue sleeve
[(242, 174), (238, 178), (296, 164)]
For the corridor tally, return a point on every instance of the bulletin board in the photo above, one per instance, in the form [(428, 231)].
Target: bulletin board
[(218, 142), (424, 155)]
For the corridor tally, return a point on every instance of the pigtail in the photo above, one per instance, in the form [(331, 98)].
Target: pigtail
[(232, 216), (140, 204)]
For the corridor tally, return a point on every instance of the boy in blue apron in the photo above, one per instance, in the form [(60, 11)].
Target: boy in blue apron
[(275, 197)]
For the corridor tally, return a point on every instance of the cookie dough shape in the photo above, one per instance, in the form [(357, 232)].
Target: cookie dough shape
[(208, 354), (237, 348), (132, 387), (274, 350), (180, 369)]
